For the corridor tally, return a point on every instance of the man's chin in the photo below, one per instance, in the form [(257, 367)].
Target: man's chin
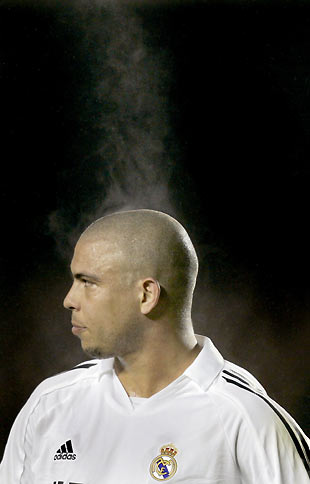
[(97, 353)]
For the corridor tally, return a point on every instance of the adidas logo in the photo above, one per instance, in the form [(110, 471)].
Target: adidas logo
[(65, 452)]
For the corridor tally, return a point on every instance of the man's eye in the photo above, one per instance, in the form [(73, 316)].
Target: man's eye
[(86, 283)]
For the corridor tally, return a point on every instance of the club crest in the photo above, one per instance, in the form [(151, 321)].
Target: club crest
[(164, 466)]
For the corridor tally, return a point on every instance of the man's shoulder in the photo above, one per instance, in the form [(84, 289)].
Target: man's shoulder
[(239, 392), (83, 371), (252, 418), (243, 403)]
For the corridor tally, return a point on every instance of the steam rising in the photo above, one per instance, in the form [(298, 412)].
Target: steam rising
[(127, 111)]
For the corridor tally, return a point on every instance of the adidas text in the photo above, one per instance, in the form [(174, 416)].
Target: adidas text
[(64, 456)]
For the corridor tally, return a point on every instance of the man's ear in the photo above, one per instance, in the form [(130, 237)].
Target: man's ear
[(150, 292)]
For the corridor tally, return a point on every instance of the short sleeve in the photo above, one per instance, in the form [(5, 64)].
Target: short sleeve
[(15, 467)]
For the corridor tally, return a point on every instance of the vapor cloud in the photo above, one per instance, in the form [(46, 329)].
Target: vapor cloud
[(126, 114)]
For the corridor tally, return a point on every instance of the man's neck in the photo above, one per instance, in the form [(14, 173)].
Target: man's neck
[(163, 358)]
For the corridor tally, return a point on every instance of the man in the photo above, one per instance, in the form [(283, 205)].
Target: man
[(159, 403)]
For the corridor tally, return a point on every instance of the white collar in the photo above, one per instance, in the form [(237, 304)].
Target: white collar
[(204, 369), (207, 365)]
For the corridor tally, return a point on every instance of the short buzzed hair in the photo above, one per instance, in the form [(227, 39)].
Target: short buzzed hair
[(154, 244)]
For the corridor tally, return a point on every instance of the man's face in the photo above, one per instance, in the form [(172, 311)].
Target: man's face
[(104, 300)]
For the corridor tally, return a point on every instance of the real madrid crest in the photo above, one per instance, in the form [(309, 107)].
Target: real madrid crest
[(164, 466)]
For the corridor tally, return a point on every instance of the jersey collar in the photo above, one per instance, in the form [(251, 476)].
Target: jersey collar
[(204, 369), (207, 365)]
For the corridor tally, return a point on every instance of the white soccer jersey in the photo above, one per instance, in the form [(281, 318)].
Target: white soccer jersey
[(214, 424)]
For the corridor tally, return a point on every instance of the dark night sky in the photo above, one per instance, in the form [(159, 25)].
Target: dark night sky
[(197, 109)]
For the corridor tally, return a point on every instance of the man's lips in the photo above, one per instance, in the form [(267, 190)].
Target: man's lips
[(77, 328)]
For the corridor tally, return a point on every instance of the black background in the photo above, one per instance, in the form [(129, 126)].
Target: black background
[(227, 88)]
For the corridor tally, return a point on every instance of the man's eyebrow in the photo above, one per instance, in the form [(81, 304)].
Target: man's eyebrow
[(80, 276)]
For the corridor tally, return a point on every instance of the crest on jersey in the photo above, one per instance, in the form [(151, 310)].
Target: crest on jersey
[(164, 466)]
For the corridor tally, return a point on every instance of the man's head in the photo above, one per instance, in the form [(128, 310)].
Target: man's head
[(133, 271)]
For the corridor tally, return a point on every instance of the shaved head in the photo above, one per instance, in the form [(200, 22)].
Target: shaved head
[(134, 275), (151, 244)]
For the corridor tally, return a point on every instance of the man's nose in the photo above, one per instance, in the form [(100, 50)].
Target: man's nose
[(71, 300)]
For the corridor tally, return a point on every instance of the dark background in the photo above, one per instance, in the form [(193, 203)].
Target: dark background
[(197, 109)]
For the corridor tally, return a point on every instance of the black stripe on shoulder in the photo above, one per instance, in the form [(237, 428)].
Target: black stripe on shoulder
[(235, 376), (86, 365), (285, 423)]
